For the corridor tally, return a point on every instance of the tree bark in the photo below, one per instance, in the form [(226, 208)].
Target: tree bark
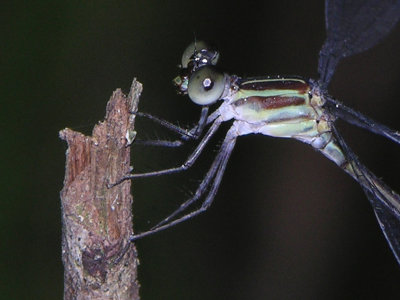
[(97, 220)]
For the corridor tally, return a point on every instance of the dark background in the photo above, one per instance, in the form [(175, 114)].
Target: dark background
[(286, 223)]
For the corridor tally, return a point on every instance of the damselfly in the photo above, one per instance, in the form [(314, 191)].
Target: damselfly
[(289, 107)]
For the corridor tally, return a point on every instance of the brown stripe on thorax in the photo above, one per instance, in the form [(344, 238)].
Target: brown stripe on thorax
[(283, 84), (272, 102)]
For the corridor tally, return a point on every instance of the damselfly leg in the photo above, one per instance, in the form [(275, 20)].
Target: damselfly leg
[(191, 134), (210, 182), (192, 157)]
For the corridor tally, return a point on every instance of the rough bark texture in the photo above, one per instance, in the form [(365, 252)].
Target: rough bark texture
[(96, 220)]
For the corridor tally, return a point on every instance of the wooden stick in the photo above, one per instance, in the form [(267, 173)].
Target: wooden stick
[(96, 220)]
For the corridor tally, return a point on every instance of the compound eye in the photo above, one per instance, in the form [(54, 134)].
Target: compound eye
[(199, 54), (190, 51), (206, 86)]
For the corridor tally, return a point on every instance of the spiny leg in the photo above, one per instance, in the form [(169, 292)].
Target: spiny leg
[(206, 181), (197, 130), (185, 134), (187, 164), (159, 143), (191, 134), (215, 172)]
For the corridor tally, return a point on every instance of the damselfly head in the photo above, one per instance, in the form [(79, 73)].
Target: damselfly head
[(198, 54)]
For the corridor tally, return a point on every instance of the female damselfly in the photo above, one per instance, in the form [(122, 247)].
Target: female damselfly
[(289, 107)]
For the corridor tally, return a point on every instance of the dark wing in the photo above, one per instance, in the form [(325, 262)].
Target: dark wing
[(390, 226), (353, 26), (384, 201), (339, 110)]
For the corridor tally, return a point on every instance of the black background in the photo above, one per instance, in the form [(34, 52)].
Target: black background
[(286, 223)]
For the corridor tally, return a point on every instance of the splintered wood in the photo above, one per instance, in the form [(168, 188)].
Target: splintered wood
[(97, 220)]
